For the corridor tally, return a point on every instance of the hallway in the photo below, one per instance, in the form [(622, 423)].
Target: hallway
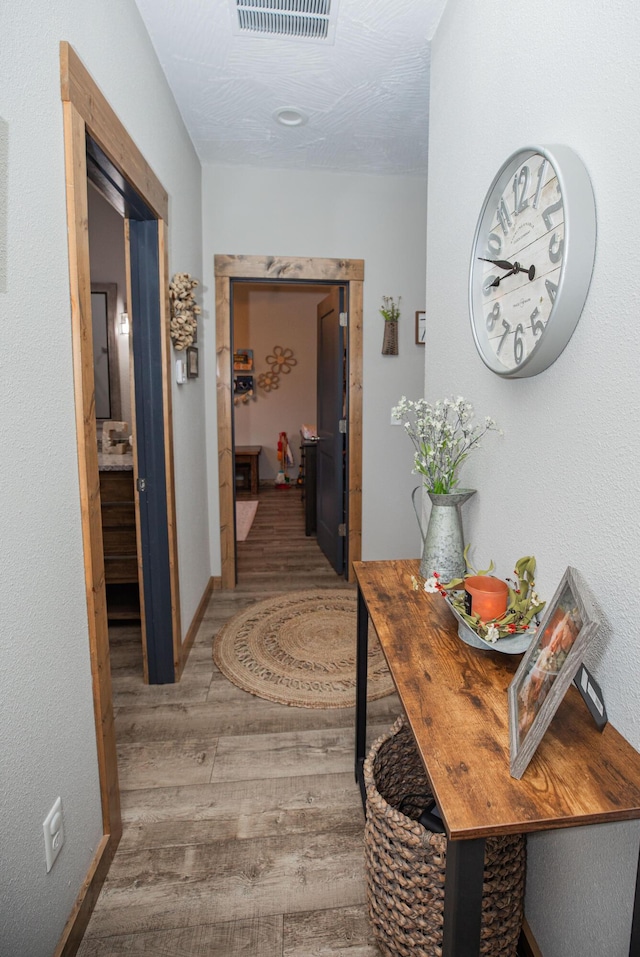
[(242, 821)]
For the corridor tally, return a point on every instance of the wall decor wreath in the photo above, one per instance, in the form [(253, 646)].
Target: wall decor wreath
[(184, 311)]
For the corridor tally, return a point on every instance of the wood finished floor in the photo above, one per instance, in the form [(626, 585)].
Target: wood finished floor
[(243, 829)]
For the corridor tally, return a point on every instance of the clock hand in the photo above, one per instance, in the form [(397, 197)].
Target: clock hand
[(502, 263), (516, 268), (498, 279), (513, 267)]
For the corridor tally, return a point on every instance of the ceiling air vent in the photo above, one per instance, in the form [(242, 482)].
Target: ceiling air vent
[(285, 19)]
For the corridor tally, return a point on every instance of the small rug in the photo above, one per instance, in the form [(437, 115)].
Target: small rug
[(300, 649), (245, 514)]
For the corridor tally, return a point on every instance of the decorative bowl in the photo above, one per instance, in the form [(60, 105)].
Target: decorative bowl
[(514, 645)]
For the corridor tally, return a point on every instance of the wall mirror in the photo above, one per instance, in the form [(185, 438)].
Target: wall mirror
[(105, 351)]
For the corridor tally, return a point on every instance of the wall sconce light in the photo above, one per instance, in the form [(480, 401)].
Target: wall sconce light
[(123, 324)]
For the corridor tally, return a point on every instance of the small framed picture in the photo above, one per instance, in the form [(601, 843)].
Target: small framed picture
[(243, 360), (192, 363), (421, 327), (548, 668), (242, 384)]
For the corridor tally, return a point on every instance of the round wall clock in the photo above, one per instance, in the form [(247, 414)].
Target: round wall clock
[(532, 259)]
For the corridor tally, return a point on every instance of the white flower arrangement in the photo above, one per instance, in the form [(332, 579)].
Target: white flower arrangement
[(443, 435)]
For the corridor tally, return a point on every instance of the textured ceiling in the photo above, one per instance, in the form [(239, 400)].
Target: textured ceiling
[(366, 95)]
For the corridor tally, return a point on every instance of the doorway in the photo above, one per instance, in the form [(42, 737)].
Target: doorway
[(93, 135), (348, 273), (279, 389)]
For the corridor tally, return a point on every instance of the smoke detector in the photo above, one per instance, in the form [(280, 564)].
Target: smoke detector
[(313, 20)]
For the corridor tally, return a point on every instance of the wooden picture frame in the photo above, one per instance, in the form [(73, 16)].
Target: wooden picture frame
[(192, 362), (421, 327), (548, 668)]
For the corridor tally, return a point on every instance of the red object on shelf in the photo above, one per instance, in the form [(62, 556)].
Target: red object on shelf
[(282, 479), (489, 596)]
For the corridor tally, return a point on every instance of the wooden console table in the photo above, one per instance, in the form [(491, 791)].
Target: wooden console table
[(455, 701), (248, 455)]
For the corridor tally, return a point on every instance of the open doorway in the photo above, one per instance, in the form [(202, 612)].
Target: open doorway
[(276, 393), (111, 328), (346, 273)]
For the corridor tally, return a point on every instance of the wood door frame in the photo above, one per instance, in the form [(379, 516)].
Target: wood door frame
[(348, 272), (85, 110)]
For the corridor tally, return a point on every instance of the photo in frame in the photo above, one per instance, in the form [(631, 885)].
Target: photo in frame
[(192, 363), (242, 384), (421, 328), (243, 360), (548, 668)]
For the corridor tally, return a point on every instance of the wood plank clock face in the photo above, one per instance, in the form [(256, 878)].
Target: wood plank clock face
[(532, 259)]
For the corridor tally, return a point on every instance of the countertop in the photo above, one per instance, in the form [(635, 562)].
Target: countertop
[(115, 463)]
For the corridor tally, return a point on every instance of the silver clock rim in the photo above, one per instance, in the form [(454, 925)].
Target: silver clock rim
[(577, 262)]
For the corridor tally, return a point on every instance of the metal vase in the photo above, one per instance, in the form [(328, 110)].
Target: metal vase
[(443, 550)]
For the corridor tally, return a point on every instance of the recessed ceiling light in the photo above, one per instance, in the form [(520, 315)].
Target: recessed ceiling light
[(290, 116)]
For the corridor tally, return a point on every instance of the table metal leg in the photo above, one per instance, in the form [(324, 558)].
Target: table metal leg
[(361, 691), (463, 898), (634, 945)]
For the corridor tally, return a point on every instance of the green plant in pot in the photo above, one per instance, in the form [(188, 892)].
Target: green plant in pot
[(443, 435)]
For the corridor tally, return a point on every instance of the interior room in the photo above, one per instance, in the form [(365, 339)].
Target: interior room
[(150, 803)]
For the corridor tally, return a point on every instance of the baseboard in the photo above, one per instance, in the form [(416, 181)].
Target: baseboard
[(217, 583), (527, 946), (189, 638), (87, 896)]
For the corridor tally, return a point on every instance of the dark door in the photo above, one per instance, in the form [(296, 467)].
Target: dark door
[(332, 417), (152, 481)]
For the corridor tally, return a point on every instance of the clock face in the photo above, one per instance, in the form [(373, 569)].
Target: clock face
[(525, 304)]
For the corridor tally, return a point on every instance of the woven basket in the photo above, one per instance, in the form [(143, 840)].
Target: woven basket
[(405, 863)]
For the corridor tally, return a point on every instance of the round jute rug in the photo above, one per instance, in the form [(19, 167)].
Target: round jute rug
[(300, 649)]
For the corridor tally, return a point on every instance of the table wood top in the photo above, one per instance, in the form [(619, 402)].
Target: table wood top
[(455, 699), (248, 449)]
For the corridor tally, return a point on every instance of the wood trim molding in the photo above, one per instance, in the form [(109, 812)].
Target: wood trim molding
[(282, 269), (89, 480), (225, 434), (87, 896), (86, 110), (189, 638), (527, 945), (82, 335), (354, 429), (79, 88)]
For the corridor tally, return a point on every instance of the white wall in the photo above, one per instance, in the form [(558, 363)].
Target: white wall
[(378, 219), (266, 316), (563, 482), (46, 711)]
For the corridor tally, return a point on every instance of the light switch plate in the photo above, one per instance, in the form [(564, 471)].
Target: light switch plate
[(53, 827)]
